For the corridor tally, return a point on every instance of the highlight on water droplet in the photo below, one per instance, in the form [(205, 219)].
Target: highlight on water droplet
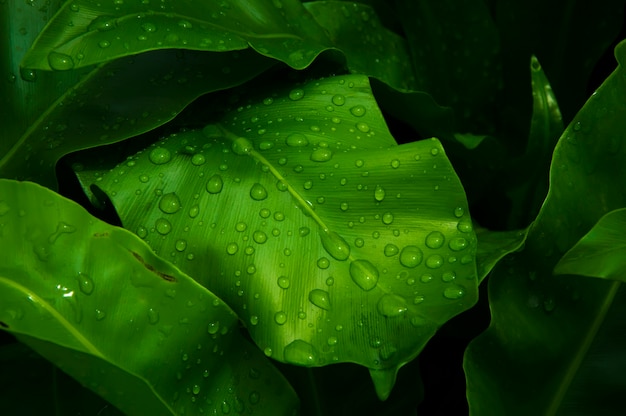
[(458, 244), (60, 61), (198, 159), (411, 256), (391, 250), (434, 262), (300, 352), (242, 146), (153, 316), (180, 245), (364, 274), (454, 292), (259, 237), (163, 226), (335, 245), (320, 298), (280, 317), (169, 203), (258, 192), (321, 154), (296, 94), (391, 306), (85, 283), (283, 282), (435, 240), (465, 225), (160, 156), (323, 263), (379, 193), (387, 218)]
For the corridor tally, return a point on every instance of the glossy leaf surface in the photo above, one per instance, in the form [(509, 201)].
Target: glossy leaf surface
[(601, 252), (331, 242), (97, 302), (543, 324)]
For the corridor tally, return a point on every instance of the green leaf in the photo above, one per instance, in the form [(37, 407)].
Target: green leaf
[(544, 327), (107, 323), (601, 252), (494, 245), (331, 243)]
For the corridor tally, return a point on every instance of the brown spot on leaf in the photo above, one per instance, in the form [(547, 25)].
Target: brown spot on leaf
[(150, 267)]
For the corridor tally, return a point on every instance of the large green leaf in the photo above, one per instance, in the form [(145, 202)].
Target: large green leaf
[(601, 252), (331, 242), (96, 301), (49, 114), (543, 326)]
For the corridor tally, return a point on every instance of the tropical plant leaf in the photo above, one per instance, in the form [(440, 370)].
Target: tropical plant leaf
[(493, 246), (285, 30), (331, 242), (545, 324), (107, 322), (601, 252)]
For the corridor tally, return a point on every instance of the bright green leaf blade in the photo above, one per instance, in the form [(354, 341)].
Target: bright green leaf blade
[(108, 322), (117, 101), (601, 252), (332, 243), (544, 326)]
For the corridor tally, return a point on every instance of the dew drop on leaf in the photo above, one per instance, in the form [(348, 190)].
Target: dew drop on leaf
[(169, 203), (300, 352), (213, 327), (387, 218), (458, 212), (320, 298), (411, 256), (242, 146), (258, 192), (358, 111), (163, 226), (464, 225), (283, 282), (335, 245), (321, 155), (180, 245), (280, 317), (391, 306), (379, 193), (458, 244), (296, 94), (297, 140), (364, 274), (435, 240), (259, 237), (193, 211), (153, 316), (198, 159), (454, 292), (338, 99), (434, 262), (85, 283), (304, 231), (323, 263), (60, 61), (160, 156), (391, 250)]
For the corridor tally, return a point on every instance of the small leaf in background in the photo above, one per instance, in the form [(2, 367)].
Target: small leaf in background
[(135, 330), (332, 243), (544, 327), (601, 252)]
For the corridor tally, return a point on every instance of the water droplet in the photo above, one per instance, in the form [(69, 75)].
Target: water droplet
[(387, 218), (358, 111), (185, 24), (142, 232), (458, 244), (100, 315), (29, 75), (297, 140), (169, 203), (338, 99), (241, 226), (321, 155), (60, 61), (62, 228), (435, 240), (434, 262), (300, 353), (335, 245), (411, 256), (153, 316), (160, 156), (395, 164), (254, 320), (259, 237), (426, 278), (232, 248), (364, 274), (280, 317), (391, 250), (193, 211), (180, 245), (149, 27), (198, 159), (465, 225), (458, 212), (296, 94), (448, 277), (213, 327), (362, 127), (242, 146), (85, 283), (359, 242), (379, 193), (434, 151), (163, 226), (283, 282), (304, 231), (104, 44), (454, 292), (258, 192), (320, 298), (392, 306)]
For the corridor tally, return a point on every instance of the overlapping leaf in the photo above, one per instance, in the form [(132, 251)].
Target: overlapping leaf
[(96, 301), (544, 326), (332, 243)]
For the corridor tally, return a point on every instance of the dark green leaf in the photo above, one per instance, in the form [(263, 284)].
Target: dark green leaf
[(544, 326), (332, 243), (97, 302), (601, 252)]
